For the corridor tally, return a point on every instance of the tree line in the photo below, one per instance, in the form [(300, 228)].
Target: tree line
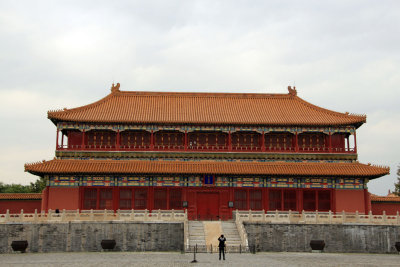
[(36, 187)]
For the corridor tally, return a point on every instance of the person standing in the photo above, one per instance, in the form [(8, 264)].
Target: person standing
[(221, 246)]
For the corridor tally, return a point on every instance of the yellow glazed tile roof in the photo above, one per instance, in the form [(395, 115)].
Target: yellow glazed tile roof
[(18, 196), (205, 108), (206, 167)]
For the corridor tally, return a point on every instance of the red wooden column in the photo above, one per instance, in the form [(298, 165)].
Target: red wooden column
[(229, 141), (115, 197), (186, 140), (348, 144), (355, 142), (265, 199), (152, 140), (58, 131), (150, 198), (297, 142), (263, 141), (118, 140), (83, 139), (330, 142)]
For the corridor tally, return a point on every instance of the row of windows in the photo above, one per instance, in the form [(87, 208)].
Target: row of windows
[(284, 199), (165, 138), (171, 198), (95, 198)]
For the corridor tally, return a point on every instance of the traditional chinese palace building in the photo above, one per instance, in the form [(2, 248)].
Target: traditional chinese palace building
[(209, 153)]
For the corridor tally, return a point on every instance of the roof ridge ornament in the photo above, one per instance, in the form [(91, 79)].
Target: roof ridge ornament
[(115, 88), (292, 91)]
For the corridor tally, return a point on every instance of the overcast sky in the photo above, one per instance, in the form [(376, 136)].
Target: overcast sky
[(341, 55)]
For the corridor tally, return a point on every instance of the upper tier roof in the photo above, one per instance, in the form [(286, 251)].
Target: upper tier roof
[(65, 166), (205, 108)]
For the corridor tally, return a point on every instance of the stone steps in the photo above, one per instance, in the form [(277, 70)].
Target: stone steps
[(196, 234), (231, 233)]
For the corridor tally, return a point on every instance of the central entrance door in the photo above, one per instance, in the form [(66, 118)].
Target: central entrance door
[(207, 206)]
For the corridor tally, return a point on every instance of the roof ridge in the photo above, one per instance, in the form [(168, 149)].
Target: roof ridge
[(202, 94)]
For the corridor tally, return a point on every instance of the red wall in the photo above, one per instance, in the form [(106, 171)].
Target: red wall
[(15, 206), (350, 200), (389, 208), (63, 198)]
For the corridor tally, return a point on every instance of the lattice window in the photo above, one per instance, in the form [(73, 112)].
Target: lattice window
[(275, 199), (255, 199), (241, 199), (140, 198), (324, 200), (175, 199), (160, 199), (90, 198), (289, 200), (106, 199), (222, 139), (309, 201), (125, 198)]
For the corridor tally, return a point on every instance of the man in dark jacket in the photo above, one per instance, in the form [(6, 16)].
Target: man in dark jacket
[(221, 246)]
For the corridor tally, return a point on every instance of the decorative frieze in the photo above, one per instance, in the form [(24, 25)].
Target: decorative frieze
[(133, 181), (60, 180), (281, 182), (349, 183), (97, 181), (198, 181), (206, 128), (317, 183), (169, 181)]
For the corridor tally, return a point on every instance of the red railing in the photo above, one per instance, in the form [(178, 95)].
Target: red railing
[(206, 148)]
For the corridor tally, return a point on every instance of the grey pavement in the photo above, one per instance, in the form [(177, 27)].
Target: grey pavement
[(177, 259)]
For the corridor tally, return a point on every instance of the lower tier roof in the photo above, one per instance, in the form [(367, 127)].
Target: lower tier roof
[(20, 196), (65, 166)]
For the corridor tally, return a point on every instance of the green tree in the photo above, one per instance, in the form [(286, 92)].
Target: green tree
[(397, 184), (36, 187)]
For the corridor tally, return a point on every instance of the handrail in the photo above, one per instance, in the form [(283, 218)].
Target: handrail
[(241, 230), (208, 148), (95, 215), (317, 217)]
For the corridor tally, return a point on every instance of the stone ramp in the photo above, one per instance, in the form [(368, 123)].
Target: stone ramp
[(212, 231)]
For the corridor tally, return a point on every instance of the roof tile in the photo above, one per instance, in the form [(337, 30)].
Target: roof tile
[(205, 108), (18, 196), (206, 167)]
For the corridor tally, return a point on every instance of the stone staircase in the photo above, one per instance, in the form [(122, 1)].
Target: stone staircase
[(231, 233), (196, 234), (205, 236)]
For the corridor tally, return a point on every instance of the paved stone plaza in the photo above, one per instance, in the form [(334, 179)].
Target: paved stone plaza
[(176, 259)]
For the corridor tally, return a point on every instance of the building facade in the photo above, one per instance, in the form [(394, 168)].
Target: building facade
[(209, 153)]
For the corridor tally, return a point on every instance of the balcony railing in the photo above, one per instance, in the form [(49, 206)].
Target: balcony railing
[(207, 148), (316, 217), (95, 215)]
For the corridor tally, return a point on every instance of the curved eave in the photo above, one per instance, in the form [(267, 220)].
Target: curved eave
[(206, 167), (202, 108)]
